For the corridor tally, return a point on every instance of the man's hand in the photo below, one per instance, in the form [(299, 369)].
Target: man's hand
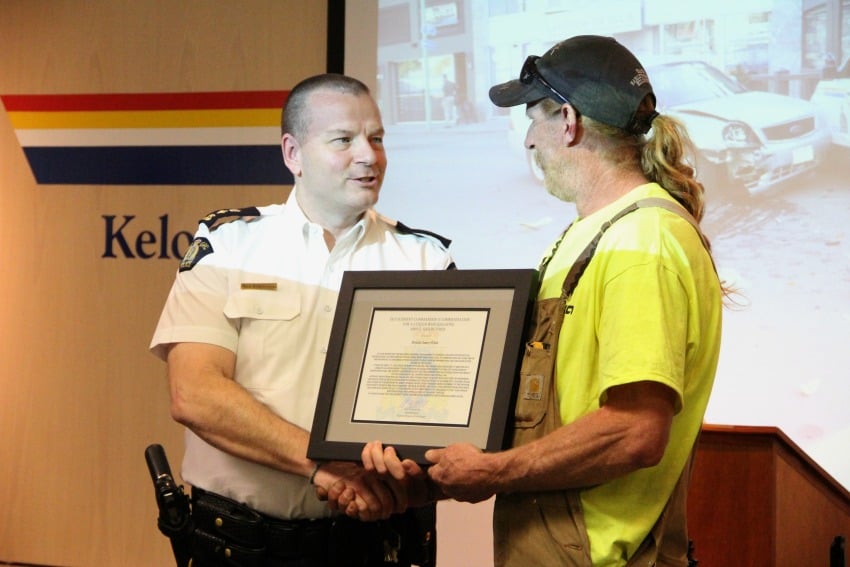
[(358, 493), (385, 462), (461, 471)]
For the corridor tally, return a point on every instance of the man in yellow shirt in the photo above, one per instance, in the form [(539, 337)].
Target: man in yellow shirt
[(624, 344)]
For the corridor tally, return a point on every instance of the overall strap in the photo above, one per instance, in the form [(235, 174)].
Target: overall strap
[(577, 269)]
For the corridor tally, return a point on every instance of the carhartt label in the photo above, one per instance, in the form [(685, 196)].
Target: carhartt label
[(533, 388)]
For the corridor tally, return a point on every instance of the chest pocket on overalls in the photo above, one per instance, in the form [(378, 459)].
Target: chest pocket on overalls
[(538, 364)]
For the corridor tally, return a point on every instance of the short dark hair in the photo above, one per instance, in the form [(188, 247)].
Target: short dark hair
[(295, 114)]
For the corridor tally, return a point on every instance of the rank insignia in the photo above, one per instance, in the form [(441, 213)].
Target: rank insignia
[(215, 218), (199, 248)]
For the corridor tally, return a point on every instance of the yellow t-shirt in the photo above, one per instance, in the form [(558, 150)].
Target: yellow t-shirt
[(648, 307)]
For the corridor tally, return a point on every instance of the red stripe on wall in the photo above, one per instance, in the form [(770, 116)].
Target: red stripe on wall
[(145, 101)]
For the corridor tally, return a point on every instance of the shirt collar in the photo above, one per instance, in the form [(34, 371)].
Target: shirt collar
[(299, 221)]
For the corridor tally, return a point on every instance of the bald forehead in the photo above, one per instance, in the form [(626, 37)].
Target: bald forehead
[(339, 111), (296, 112), (323, 97)]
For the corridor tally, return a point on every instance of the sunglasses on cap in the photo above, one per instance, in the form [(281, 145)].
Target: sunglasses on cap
[(529, 74)]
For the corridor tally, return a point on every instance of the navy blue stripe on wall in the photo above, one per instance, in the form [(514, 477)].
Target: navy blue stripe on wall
[(335, 60), (162, 165)]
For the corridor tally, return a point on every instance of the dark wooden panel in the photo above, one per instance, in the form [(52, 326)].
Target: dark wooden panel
[(756, 499)]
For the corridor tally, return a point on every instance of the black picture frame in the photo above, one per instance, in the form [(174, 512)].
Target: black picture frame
[(372, 307)]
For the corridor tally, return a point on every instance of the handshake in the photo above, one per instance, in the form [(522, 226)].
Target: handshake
[(384, 484)]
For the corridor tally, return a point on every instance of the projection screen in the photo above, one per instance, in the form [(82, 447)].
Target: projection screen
[(761, 86)]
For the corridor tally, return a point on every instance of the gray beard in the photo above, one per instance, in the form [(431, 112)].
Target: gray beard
[(561, 182)]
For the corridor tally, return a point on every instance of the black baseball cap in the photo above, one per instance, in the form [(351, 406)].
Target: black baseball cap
[(597, 75)]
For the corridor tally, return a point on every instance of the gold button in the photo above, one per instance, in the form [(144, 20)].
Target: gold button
[(219, 522)]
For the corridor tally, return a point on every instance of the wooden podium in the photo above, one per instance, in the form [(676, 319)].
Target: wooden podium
[(756, 499)]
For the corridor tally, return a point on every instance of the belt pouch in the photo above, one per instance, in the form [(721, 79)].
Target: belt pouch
[(228, 519), (211, 550)]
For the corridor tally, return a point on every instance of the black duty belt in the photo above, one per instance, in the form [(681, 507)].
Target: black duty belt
[(230, 533)]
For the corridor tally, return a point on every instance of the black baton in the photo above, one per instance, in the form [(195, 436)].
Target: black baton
[(175, 518)]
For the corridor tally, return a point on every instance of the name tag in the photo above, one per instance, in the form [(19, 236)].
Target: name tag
[(270, 286)]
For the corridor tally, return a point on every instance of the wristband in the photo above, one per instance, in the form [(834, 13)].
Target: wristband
[(313, 474)]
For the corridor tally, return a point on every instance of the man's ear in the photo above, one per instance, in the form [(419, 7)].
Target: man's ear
[(291, 154), (571, 124)]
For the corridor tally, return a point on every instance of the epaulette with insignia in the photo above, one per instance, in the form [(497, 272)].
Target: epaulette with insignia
[(404, 229), (221, 216), (199, 248)]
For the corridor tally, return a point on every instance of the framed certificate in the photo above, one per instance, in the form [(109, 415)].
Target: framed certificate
[(421, 359)]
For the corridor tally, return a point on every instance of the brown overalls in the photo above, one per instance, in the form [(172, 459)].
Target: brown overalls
[(542, 529)]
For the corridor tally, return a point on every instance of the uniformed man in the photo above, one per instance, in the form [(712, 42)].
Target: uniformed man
[(244, 332)]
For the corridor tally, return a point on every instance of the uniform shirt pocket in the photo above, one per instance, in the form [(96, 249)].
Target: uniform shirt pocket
[(269, 322), (279, 304)]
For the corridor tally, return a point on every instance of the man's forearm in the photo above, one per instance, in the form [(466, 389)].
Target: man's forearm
[(206, 399), (628, 434), (227, 417)]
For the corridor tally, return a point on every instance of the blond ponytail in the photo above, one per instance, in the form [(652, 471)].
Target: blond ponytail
[(666, 159)]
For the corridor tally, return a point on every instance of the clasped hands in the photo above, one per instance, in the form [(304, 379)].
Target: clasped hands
[(385, 484)]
